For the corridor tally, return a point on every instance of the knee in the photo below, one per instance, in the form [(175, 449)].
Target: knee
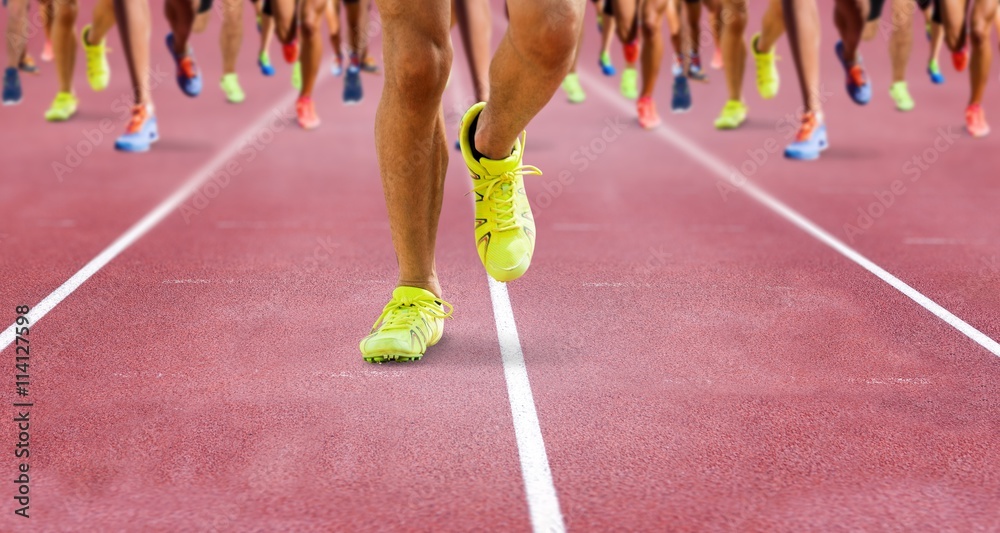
[(309, 26), (734, 17), (64, 13), (550, 31), (312, 11), (652, 22), (979, 32), (419, 72)]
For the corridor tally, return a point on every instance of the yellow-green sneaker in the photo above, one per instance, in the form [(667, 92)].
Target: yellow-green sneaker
[(297, 76), (63, 107), (734, 113), (98, 69), (231, 86), (630, 83), (574, 91), (505, 229), (768, 80), (412, 321), (901, 96)]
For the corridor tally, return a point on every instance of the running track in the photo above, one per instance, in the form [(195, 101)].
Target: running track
[(697, 362)]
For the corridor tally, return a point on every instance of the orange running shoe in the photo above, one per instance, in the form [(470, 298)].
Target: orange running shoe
[(290, 51), (717, 58), (648, 117), (960, 58), (975, 121), (47, 54), (306, 111)]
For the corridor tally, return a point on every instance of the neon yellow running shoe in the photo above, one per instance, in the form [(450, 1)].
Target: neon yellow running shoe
[(734, 113), (231, 86), (63, 107), (768, 79), (297, 75), (505, 229), (630, 83), (412, 321), (574, 91), (901, 95), (98, 69)]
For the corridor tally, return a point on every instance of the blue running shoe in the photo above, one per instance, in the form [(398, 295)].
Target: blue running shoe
[(859, 87), (810, 141), (681, 100), (352, 83), (140, 133), (934, 71), (607, 68), (12, 93), (264, 62), (188, 75)]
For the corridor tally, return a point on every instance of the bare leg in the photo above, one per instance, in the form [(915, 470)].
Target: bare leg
[(652, 44), (17, 31), (850, 17), (180, 14), (357, 22), (134, 26), (103, 21), (802, 22), (522, 82), (231, 36), (64, 42), (734, 48), (901, 40), (409, 132), (984, 14), (772, 26), (937, 35), (283, 12), (332, 14), (475, 24), (312, 43), (953, 20)]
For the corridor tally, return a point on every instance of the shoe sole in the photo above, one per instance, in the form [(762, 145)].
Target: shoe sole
[(388, 358)]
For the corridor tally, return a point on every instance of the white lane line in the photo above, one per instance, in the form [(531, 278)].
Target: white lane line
[(543, 503), (720, 169), (147, 222)]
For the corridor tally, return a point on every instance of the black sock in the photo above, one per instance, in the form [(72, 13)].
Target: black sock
[(476, 154)]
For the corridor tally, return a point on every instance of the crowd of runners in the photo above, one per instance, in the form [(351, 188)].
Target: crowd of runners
[(537, 54)]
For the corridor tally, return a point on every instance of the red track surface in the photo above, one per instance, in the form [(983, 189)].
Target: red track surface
[(697, 362)]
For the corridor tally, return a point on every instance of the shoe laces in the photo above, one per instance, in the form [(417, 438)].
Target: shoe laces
[(402, 313), (187, 67), (809, 124), (500, 192), (139, 116)]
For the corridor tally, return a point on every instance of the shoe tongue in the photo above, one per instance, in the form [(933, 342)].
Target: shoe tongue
[(495, 167), (412, 293)]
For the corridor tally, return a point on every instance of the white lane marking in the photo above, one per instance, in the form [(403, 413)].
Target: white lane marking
[(148, 222), (721, 170), (543, 503)]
